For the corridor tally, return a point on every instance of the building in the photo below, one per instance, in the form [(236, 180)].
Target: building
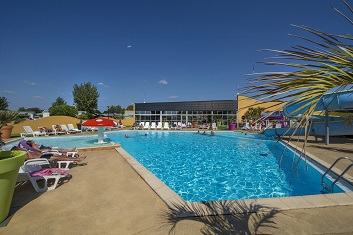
[(45, 113), (30, 115), (223, 111)]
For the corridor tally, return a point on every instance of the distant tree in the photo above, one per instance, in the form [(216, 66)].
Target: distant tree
[(115, 109), (3, 103), (130, 107), (35, 109), (119, 116), (59, 101), (22, 109), (86, 97), (63, 110)]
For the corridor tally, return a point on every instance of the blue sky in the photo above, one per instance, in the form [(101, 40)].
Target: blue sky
[(146, 50)]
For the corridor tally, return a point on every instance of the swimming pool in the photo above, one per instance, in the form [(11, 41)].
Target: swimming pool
[(227, 166)]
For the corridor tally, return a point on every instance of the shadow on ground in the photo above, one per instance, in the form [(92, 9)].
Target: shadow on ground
[(23, 194), (221, 217)]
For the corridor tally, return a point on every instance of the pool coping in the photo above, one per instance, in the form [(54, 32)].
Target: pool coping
[(189, 209)]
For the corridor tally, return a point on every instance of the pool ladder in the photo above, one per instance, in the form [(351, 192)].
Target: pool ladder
[(341, 175)]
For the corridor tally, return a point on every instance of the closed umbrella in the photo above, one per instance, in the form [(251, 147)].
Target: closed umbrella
[(100, 123)]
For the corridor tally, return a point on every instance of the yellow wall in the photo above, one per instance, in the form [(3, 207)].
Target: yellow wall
[(47, 122), (244, 103), (128, 121)]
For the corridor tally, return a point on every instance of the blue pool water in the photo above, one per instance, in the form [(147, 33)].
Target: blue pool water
[(226, 166)]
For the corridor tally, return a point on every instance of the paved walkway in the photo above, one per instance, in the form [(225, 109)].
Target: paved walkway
[(107, 196)]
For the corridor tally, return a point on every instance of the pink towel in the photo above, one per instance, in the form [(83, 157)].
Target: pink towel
[(49, 171)]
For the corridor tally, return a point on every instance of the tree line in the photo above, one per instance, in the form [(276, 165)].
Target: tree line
[(85, 99)]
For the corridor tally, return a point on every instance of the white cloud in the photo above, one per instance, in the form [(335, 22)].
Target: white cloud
[(172, 97), (128, 46), (30, 83), (164, 82), (7, 91), (102, 84), (38, 97)]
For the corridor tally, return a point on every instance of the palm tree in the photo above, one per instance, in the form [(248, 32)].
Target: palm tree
[(327, 68)]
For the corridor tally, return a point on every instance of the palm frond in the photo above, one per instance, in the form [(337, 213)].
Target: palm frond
[(323, 66)]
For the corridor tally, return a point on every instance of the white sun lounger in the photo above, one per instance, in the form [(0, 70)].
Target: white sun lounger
[(159, 126), (42, 129), (153, 126), (214, 126), (166, 126), (56, 131), (246, 127), (29, 131), (147, 125), (35, 165), (141, 125), (64, 128), (72, 128)]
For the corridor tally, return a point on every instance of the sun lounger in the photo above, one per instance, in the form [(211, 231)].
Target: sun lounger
[(153, 126), (29, 131), (32, 170), (23, 144), (204, 126), (57, 132), (64, 128), (121, 126), (43, 129), (72, 128), (246, 127), (147, 125), (178, 126), (159, 126), (166, 126), (89, 128)]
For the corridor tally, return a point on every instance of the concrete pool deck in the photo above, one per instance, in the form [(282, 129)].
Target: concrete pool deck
[(106, 195)]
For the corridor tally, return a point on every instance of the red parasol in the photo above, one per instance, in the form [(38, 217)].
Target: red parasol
[(100, 123)]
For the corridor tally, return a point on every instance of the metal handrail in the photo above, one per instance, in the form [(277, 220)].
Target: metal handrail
[(340, 176)]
